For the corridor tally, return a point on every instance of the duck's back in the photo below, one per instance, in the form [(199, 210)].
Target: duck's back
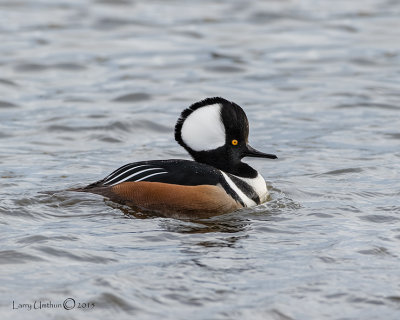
[(173, 171)]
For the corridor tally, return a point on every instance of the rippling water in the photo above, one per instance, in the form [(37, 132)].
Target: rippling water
[(87, 86)]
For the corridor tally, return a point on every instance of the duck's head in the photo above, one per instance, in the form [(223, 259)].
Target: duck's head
[(215, 132)]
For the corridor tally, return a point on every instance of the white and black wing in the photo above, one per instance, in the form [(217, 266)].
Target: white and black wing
[(183, 172), (133, 172)]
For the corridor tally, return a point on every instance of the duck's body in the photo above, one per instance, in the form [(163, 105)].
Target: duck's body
[(180, 187), (216, 182)]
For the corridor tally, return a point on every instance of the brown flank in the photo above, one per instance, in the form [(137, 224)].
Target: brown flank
[(170, 200)]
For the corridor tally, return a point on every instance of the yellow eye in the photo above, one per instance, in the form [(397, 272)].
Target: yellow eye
[(234, 142)]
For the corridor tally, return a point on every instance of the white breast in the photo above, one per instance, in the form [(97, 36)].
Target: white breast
[(258, 184)]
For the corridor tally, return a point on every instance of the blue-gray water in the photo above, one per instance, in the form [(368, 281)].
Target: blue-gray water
[(87, 86)]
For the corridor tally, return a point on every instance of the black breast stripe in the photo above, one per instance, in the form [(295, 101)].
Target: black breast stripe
[(230, 191), (245, 188)]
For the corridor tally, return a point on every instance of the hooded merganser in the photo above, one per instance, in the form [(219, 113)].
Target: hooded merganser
[(215, 133)]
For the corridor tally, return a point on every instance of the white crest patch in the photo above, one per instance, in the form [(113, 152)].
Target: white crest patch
[(203, 129)]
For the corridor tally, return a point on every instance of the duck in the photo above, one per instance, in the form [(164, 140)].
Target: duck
[(214, 132)]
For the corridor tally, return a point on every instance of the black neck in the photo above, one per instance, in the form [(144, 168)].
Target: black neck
[(226, 162)]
